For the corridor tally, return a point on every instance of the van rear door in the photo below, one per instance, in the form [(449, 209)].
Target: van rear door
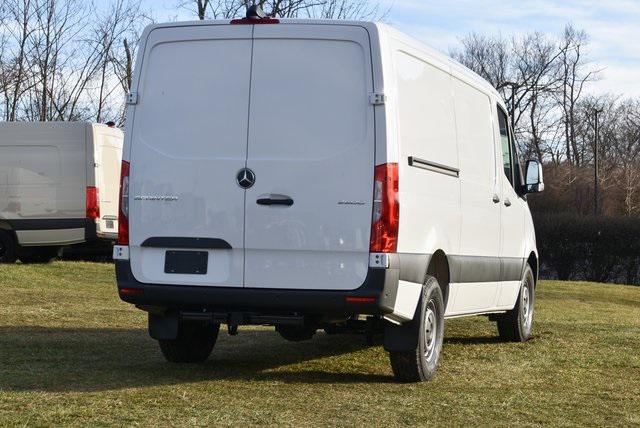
[(107, 147), (311, 147), (189, 140)]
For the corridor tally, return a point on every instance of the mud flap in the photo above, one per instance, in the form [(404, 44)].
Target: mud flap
[(400, 338), (163, 327)]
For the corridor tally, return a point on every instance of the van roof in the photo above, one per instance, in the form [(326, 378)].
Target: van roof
[(44, 125), (52, 124), (457, 69)]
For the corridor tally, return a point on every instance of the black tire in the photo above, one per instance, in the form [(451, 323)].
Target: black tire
[(7, 247), (294, 333), (194, 343), (421, 363), (38, 254), (517, 324)]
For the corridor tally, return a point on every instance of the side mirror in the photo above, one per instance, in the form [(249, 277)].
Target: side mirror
[(533, 180)]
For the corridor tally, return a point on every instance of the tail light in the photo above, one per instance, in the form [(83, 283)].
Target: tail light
[(386, 210), (123, 212), (360, 299), (93, 203), (250, 21)]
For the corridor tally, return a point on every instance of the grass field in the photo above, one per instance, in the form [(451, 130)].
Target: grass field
[(72, 353)]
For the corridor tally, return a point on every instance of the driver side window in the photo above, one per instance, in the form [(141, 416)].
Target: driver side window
[(505, 143)]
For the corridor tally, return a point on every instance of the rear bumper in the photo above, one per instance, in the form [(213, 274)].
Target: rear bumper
[(108, 236), (381, 284)]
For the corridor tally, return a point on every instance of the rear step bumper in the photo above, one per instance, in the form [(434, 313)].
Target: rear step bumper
[(381, 284)]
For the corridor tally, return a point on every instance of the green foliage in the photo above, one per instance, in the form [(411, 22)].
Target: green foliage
[(71, 353), (602, 249)]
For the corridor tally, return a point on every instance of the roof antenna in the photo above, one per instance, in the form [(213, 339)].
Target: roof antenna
[(255, 12)]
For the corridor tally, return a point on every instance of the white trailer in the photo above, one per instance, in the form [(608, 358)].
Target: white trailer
[(307, 174), (58, 186)]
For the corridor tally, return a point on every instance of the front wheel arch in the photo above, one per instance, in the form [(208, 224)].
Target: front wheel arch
[(535, 267)]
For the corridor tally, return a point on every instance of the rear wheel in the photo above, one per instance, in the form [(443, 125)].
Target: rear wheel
[(194, 343), (420, 364), (517, 324), (7, 247), (38, 254)]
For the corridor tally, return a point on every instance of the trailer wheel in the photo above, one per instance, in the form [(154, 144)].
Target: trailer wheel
[(32, 255), (7, 247), (517, 324), (420, 364), (194, 343)]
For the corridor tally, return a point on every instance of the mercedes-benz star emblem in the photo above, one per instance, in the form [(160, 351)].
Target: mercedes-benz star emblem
[(246, 178)]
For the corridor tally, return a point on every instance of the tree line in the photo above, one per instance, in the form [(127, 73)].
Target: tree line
[(589, 143), (70, 60), (73, 60), (66, 60)]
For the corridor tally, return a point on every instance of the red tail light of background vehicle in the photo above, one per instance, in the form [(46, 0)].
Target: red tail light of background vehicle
[(93, 203)]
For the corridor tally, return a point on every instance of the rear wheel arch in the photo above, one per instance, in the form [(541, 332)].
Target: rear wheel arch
[(439, 268), (8, 245), (6, 226), (533, 262)]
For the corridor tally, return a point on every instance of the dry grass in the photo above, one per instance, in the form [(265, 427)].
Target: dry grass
[(72, 353)]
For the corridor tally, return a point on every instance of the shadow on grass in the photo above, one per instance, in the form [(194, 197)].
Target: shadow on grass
[(472, 340), (86, 359)]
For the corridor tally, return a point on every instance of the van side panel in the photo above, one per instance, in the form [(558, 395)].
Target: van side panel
[(429, 197), (475, 280), (42, 181)]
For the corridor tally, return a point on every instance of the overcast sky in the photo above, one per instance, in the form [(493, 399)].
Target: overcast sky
[(613, 26)]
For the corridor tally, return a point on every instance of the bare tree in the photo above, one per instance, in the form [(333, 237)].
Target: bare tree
[(111, 28), (323, 9), (57, 25), (524, 71), (18, 20), (575, 75)]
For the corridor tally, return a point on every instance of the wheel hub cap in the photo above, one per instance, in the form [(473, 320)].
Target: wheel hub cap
[(527, 304), (430, 331)]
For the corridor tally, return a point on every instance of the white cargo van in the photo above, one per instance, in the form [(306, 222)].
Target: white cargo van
[(58, 186), (319, 174)]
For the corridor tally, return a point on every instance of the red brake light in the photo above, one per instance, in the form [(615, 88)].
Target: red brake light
[(356, 299), (123, 211), (386, 210), (131, 292), (250, 21), (93, 203)]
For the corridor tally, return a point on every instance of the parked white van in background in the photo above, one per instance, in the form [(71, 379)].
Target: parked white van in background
[(58, 186), (319, 174)]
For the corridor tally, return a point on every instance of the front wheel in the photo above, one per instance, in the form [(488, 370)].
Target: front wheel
[(517, 324), (7, 247), (194, 343), (420, 364)]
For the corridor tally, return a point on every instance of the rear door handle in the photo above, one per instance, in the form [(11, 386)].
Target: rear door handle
[(496, 199), (507, 202), (271, 199)]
